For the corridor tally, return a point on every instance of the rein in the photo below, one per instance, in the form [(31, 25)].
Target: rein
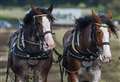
[(35, 43), (40, 15), (32, 42), (106, 43)]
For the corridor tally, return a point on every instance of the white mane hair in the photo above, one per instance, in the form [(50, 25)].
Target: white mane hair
[(28, 11)]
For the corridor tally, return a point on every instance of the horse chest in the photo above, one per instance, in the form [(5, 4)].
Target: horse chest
[(71, 64)]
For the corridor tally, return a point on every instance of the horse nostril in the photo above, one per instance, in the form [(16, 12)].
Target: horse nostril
[(119, 58)]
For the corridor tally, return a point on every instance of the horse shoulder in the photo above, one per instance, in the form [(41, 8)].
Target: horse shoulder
[(67, 38), (13, 38)]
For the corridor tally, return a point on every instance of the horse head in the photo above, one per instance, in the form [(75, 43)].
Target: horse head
[(103, 32), (37, 32)]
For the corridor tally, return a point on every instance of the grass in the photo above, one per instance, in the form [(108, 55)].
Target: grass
[(111, 72), (11, 13)]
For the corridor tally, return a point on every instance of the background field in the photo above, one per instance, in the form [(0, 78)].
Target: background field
[(110, 72)]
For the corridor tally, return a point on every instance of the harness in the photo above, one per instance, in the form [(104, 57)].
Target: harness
[(24, 55), (84, 55), (81, 55), (19, 47)]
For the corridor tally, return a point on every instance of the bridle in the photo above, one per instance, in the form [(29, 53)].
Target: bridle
[(95, 33), (35, 24), (30, 40), (92, 55), (105, 26), (42, 34), (38, 34)]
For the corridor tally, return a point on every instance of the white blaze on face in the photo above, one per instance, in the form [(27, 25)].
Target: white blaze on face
[(106, 48), (48, 37)]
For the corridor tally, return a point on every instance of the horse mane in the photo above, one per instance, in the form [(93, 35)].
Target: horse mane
[(83, 22), (109, 22), (28, 17)]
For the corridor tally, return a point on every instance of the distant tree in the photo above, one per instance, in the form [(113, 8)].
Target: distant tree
[(21, 2), (8, 2), (97, 2), (92, 2)]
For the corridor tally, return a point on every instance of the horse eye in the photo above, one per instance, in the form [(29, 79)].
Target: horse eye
[(39, 23), (99, 32)]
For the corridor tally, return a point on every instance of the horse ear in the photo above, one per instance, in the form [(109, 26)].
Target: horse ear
[(109, 14), (93, 13), (97, 19), (50, 8)]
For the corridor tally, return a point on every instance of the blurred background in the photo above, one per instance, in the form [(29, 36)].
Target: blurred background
[(65, 13)]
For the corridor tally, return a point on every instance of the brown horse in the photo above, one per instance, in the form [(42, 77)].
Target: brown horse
[(30, 47), (86, 47)]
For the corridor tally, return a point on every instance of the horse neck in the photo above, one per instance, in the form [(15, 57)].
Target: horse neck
[(31, 41), (28, 32), (85, 37)]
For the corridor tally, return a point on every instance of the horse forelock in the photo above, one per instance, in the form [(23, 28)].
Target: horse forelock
[(29, 15)]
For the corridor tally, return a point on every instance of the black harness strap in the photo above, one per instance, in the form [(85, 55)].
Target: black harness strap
[(47, 32), (86, 55), (106, 43)]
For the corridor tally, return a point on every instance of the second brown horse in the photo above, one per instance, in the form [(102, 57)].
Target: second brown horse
[(86, 47)]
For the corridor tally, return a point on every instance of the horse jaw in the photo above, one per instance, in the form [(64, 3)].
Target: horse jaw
[(106, 57), (48, 37)]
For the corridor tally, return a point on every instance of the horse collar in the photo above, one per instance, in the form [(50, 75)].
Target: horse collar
[(75, 40), (79, 54)]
